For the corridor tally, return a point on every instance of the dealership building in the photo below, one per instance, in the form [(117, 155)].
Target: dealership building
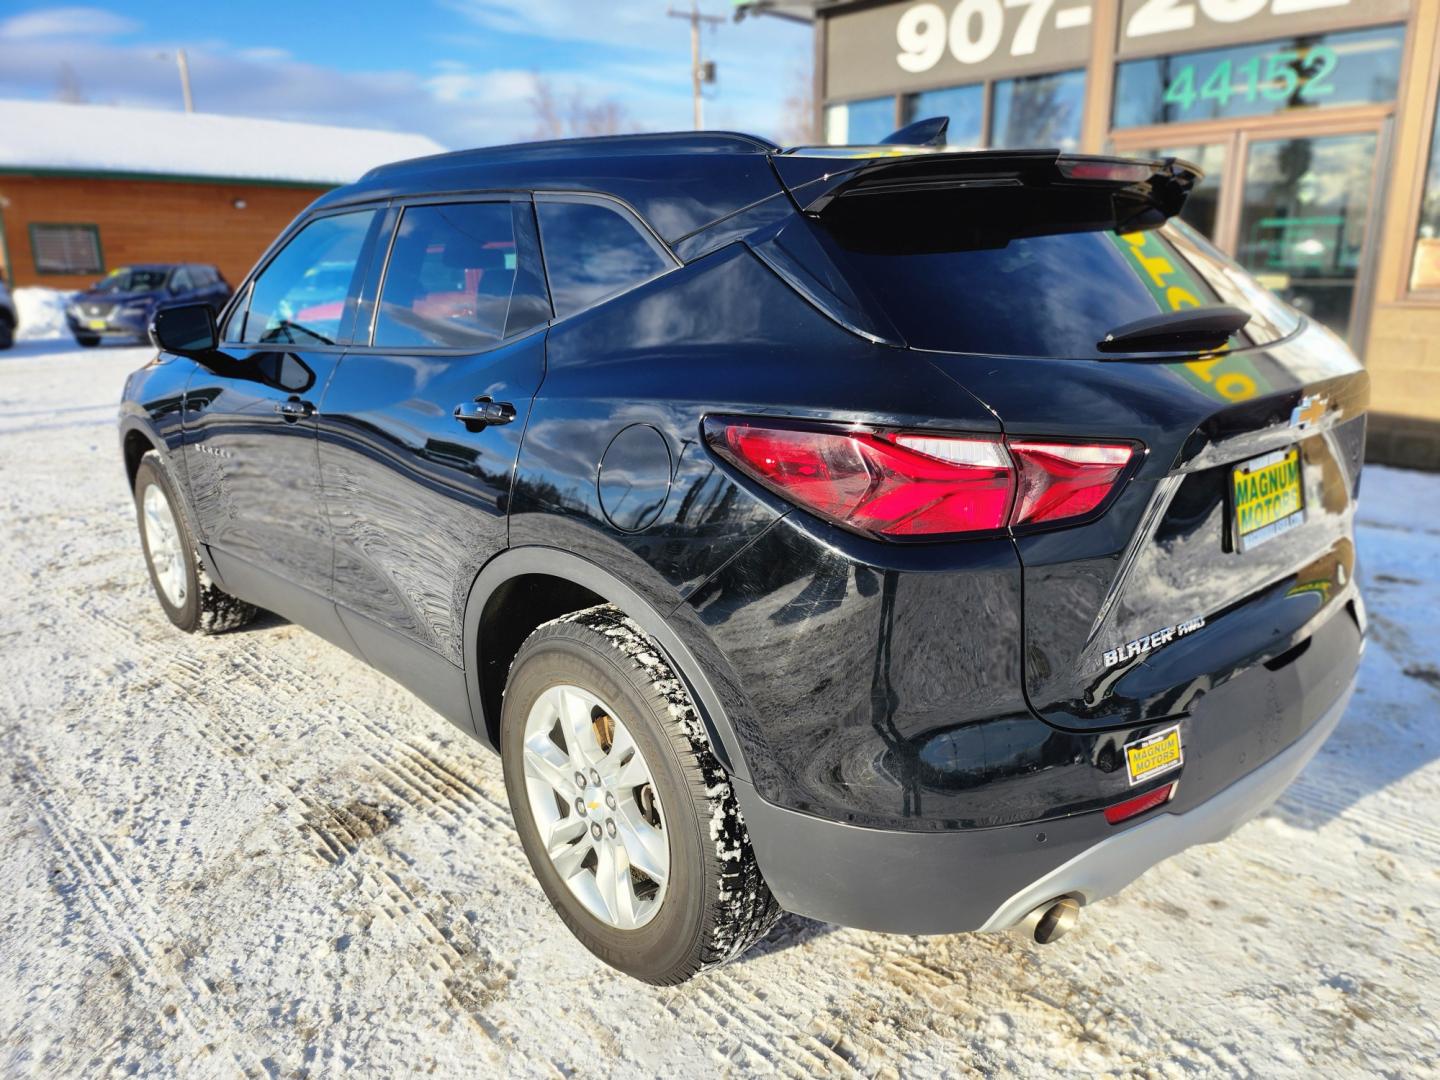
[(88, 188), (1314, 121)]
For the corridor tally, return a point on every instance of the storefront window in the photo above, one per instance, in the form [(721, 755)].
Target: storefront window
[(860, 123), (1425, 270), (1039, 111), (1203, 205), (1253, 80), (1303, 219), (964, 105)]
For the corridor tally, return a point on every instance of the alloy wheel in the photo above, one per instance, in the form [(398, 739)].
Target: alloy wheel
[(595, 806), (162, 541)]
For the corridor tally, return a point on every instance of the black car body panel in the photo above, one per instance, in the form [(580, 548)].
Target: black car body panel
[(951, 692)]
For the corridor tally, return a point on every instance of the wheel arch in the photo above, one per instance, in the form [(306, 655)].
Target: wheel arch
[(135, 443), (524, 587)]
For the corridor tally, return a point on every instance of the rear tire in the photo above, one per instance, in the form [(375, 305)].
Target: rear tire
[(7, 330), (190, 599), (714, 904)]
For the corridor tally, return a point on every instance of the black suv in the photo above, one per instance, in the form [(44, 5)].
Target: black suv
[(120, 306), (913, 539)]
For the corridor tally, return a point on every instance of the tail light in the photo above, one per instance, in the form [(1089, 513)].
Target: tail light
[(913, 485), (1059, 481)]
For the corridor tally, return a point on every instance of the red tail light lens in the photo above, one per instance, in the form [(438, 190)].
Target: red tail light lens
[(1134, 807), (1065, 480), (895, 485), (909, 484)]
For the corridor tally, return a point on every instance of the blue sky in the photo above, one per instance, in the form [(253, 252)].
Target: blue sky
[(461, 71)]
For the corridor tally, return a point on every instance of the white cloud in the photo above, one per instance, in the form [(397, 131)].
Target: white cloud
[(264, 54), (453, 100), (63, 22), (617, 22)]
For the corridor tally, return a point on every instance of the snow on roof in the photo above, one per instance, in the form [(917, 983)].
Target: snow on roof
[(113, 139)]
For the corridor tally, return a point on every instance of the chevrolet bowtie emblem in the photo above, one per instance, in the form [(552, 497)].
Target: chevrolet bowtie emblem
[(1309, 412)]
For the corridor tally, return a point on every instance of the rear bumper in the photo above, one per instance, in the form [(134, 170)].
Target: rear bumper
[(988, 879)]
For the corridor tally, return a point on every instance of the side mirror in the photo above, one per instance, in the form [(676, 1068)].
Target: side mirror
[(187, 328)]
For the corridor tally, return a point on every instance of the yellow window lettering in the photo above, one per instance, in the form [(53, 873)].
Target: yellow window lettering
[(1203, 368), (1235, 386), (1157, 266), (1178, 297)]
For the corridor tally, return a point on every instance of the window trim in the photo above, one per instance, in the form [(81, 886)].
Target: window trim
[(1408, 293), (94, 231), (625, 210)]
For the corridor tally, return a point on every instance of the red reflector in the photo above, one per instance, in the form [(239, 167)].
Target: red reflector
[(905, 485), (1138, 805), (1065, 480)]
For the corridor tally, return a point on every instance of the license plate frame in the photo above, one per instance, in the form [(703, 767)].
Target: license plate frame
[(1254, 484)]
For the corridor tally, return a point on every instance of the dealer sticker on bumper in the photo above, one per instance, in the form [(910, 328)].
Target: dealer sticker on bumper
[(1153, 755)]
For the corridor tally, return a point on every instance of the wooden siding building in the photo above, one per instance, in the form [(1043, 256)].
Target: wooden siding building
[(85, 189)]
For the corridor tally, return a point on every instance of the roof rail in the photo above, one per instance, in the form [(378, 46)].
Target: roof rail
[(669, 142)]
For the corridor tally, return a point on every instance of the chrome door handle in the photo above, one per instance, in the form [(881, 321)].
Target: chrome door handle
[(482, 412), (294, 409)]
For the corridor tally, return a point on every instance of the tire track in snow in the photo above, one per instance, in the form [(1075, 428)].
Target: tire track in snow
[(187, 1000)]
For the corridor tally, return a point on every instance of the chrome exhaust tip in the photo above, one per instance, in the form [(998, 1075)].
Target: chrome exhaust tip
[(1050, 921)]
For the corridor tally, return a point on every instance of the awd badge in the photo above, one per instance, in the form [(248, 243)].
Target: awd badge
[(1150, 642)]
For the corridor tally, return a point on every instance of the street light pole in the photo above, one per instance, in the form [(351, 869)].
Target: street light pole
[(184, 66), (698, 72)]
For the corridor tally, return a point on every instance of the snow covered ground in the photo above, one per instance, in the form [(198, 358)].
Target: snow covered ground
[(251, 855)]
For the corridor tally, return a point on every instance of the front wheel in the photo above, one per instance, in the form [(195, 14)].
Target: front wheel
[(627, 817), (86, 342), (190, 599)]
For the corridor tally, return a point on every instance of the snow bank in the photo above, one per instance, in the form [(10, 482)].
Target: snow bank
[(42, 312)]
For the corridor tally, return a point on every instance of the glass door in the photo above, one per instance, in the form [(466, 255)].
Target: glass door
[(1303, 219)]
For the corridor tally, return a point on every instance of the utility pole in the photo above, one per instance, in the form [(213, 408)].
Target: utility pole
[(184, 65), (700, 72)]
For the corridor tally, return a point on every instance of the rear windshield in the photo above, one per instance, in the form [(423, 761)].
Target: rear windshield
[(1026, 272)]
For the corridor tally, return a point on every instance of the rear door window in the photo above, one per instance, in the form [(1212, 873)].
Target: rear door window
[(594, 250), (1024, 272), (305, 294), (460, 275)]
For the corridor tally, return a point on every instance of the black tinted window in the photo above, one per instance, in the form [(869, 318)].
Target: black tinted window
[(301, 296), (1023, 272), (459, 275), (592, 251)]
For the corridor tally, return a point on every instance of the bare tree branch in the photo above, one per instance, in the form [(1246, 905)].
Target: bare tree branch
[(558, 117)]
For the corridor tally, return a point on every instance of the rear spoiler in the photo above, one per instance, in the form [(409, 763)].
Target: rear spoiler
[(817, 177)]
